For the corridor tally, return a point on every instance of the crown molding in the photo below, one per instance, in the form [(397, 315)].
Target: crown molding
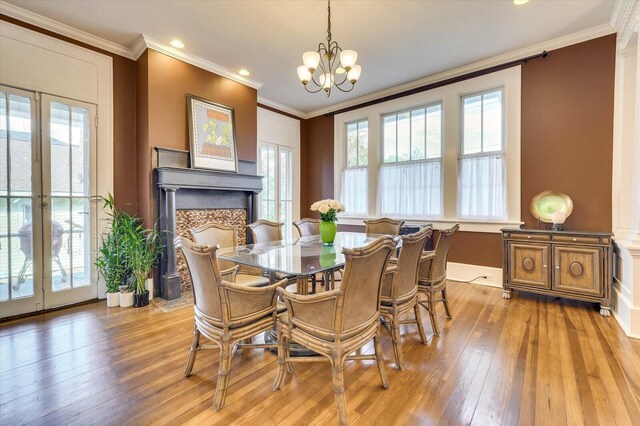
[(147, 42), (557, 43), (625, 18), (282, 107), (63, 29)]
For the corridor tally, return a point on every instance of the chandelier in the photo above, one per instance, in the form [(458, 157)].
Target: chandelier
[(342, 74)]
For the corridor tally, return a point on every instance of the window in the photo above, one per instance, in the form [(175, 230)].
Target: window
[(411, 171), (354, 174), (482, 166)]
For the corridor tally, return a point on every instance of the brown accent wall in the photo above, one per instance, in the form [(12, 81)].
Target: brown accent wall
[(319, 161), (164, 84), (567, 130), (566, 142), (124, 118)]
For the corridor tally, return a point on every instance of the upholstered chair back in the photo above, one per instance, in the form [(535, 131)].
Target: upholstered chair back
[(383, 226), (264, 231), (215, 234), (360, 287), (406, 277), (439, 263), (307, 227), (205, 277)]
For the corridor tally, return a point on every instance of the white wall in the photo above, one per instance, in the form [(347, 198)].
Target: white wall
[(626, 180)]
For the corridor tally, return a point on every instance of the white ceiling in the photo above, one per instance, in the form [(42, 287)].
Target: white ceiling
[(397, 41)]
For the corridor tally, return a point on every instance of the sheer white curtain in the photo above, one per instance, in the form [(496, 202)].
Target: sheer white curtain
[(354, 190), (482, 192), (410, 189)]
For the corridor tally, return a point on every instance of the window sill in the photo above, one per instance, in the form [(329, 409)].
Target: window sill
[(487, 226)]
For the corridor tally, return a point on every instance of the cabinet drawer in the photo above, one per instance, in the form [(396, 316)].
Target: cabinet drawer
[(529, 237), (529, 265), (576, 239), (577, 270)]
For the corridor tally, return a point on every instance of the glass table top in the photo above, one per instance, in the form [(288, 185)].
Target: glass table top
[(303, 256)]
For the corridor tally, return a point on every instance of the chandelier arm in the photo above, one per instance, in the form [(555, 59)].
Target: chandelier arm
[(344, 80), (347, 90), (306, 86)]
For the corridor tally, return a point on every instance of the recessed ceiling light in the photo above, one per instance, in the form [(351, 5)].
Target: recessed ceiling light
[(243, 72), (520, 2), (177, 44)]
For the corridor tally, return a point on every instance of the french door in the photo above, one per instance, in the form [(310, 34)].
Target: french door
[(48, 224), (275, 163)]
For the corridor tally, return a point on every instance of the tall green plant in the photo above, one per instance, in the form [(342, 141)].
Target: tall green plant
[(110, 259), (127, 249)]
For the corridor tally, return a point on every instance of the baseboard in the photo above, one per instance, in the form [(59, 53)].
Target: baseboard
[(466, 273)]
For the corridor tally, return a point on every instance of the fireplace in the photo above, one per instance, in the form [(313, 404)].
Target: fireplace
[(185, 198)]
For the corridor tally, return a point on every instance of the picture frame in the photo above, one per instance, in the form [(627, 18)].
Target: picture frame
[(212, 135)]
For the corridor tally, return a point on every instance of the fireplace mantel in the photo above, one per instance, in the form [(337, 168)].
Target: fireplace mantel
[(182, 188)]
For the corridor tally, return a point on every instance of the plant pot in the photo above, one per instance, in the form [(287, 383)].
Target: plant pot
[(328, 232), (126, 299), (141, 299), (113, 300)]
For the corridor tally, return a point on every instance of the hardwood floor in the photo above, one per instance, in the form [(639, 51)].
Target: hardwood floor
[(528, 360)]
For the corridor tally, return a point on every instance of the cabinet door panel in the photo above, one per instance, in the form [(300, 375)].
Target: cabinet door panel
[(529, 265), (577, 270)]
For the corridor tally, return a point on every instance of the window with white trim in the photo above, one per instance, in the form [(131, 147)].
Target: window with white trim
[(482, 191), (354, 173), (410, 178)]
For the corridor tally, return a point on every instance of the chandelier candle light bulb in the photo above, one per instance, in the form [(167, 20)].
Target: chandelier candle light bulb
[(330, 60)]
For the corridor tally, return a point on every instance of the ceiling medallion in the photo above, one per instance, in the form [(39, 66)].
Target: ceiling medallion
[(342, 74)]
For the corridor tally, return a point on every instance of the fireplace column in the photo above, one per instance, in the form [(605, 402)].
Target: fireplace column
[(170, 288)]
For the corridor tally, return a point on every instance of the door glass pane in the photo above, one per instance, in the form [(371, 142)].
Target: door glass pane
[(16, 216), (70, 192), (286, 192), (268, 194)]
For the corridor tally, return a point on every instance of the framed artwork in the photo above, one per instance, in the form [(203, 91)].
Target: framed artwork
[(212, 135)]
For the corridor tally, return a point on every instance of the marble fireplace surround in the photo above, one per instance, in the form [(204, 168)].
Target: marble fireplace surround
[(208, 193)]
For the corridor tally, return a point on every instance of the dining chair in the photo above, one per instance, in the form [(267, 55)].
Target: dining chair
[(264, 231), (432, 276), (383, 226), (337, 322), (307, 226), (212, 234), (226, 313), (400, 290)]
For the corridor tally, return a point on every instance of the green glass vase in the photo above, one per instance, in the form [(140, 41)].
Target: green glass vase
[(328, 232)]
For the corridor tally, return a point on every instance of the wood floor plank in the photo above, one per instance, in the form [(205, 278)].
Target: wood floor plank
[(529, 360)]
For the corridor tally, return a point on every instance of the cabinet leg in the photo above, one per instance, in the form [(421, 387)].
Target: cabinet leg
[(605, 311), (506, 294)]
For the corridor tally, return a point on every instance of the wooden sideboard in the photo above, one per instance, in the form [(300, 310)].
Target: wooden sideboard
[(574, 265)]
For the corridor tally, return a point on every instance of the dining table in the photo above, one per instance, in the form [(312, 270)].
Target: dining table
[(300, 259)]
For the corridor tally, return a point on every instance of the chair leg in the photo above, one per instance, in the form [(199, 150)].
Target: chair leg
[(287, 354), (380, 361), (281, 360), (338, 390), (223, 376), (397, 341), (195, 347), (432, 314), (446, 302), (416, 311)]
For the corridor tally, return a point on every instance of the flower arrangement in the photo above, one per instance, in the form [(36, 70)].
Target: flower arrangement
[(328, 209)]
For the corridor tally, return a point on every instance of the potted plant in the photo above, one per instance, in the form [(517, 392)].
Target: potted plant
[(110, 260), (328, 210), (142, 249)]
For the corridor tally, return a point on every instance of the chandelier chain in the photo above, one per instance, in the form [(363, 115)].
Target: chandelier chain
[(329, 23)]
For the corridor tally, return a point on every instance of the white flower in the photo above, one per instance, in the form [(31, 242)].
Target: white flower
[(324, 208), (334, 204), (314, 206)]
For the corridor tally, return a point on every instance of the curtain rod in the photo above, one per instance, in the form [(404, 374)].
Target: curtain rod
[(441, 83)]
